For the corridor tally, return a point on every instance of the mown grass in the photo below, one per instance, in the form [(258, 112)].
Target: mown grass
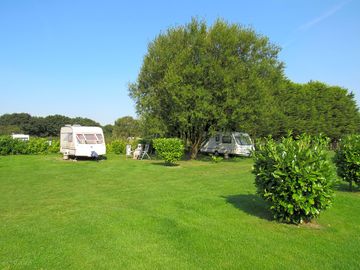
[(128, 214)]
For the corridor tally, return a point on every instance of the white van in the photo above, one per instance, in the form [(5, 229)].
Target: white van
[(21, 137), (234, 143), (81, 141)]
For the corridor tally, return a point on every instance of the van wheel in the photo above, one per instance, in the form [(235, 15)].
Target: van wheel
[(216, 153)]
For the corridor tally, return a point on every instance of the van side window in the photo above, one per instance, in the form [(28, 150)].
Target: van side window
[(90, 138), (100, 138), (217, 138), (226, 139), (80, 138)]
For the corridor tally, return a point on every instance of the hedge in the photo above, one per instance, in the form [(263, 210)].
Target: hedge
[(10, 146)]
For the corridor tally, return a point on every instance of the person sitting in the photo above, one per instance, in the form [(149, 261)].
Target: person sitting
[(137, 152)]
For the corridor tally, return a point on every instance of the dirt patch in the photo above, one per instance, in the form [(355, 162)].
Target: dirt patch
[(312, 225)]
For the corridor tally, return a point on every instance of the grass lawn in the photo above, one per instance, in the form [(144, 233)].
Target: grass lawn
[(128, 214)]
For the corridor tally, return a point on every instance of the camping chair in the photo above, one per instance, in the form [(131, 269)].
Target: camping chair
[(128, 151), (145, 152)]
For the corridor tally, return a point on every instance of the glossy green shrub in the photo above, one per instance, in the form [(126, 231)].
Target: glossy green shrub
[(347, 159), (295, 177), (169, 149)]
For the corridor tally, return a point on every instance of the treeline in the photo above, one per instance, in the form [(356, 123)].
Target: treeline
[(313, 108), (48, 126)]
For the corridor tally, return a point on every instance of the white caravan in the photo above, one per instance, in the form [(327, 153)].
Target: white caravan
[(81, 141), (21, 137), (234, 143)]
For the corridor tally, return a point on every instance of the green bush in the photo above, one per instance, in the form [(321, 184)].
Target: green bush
[(216, 159), (116, 147), (169, 149), (10, 146), (37, 146), (295, 176), (55, 146), (347, 159)]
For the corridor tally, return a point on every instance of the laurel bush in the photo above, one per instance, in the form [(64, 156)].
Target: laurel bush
[(169, 149), (347, 159), (295, 177)]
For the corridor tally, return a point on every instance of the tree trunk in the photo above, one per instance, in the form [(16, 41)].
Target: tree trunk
[(194, 151), (195, 147)]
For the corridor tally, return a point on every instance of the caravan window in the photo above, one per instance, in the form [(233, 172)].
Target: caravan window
[(70, 137), (66, 137), (80, 138), (217, 138), (100, 138), (90, 138), (226, 139)]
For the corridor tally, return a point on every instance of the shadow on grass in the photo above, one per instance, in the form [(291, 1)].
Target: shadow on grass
[(162, 163), (100, 158), (250, 204), (207, 158), (344, 186)]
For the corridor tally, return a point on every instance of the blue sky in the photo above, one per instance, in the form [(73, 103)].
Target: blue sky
[(76, 58)]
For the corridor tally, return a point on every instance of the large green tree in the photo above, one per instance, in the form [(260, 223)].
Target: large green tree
[(196, 79)]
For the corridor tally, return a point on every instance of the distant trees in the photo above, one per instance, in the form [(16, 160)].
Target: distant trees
[(196, 79), (16, 119), (48, 126), (9, 129), (108, 129), (126, 127)]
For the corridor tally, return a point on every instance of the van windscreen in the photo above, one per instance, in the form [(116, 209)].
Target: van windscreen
[(243, 139)]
